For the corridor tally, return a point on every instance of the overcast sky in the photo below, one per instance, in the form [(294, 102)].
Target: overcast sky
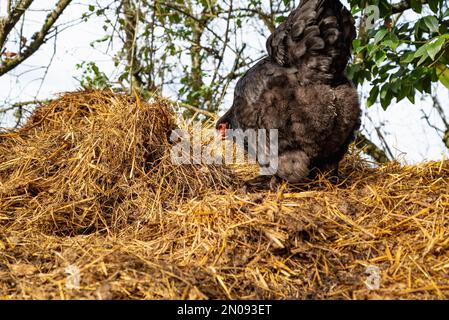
[(411, 139)]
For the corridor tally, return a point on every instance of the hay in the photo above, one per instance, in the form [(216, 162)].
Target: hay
[(87, 184), (95, 160)]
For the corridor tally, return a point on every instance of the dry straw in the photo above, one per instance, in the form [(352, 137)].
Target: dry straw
[(88, 192)]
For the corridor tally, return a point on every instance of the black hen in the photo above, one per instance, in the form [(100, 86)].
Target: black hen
[(301, 90)]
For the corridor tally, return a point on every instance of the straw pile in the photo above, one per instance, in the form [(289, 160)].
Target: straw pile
[(91, 207)]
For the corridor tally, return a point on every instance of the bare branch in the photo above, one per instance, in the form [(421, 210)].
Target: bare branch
[(23, 104), (38, 38), (131, 14), (404, 5), (8, 23), (370, 148)]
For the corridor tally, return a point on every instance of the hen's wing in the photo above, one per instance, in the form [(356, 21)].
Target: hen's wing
[(316, 38)]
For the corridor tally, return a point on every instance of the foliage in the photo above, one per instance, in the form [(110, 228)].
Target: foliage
[(405, 54), (92, 77)]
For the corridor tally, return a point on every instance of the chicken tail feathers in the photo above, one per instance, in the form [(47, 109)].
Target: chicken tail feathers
[(316, 38)]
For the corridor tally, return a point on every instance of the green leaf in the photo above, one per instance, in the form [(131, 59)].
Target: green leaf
[(239, 22), (395, 84), (423, 59), (443, 74), (446, 13), (391, 41), (434, 46), (418, 30), (391, 44), (416, 5), (406, 89), (374, 93), (384, 7), (422, 51), (280, 19), (385, 96), (380, 35), (91, 8), (432, 23), (427, 85), (408, 57), (380, 57), (433, 5)]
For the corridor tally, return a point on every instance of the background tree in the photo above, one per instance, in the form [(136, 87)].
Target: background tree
[(16, 46), (195, 49)]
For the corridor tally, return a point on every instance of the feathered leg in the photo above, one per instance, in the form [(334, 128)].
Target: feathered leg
[(293, 166)]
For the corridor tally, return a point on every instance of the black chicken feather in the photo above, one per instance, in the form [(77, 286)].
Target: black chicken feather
[(301, 90)]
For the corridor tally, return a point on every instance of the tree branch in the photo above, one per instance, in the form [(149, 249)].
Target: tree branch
[(437, 105), (131, 13), (8, 23), (370, 148), (24, 104), (403, 6), (38, 38)]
